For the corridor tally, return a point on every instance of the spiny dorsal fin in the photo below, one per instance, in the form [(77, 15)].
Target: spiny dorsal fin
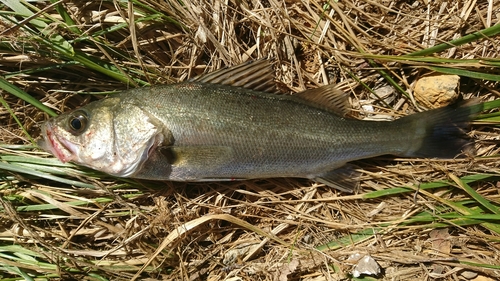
[(327, 97), (255, 75)]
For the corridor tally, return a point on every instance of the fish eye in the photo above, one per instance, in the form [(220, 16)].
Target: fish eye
[(78, 122)]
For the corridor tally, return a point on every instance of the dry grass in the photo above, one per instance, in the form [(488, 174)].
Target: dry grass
[(276, 229)]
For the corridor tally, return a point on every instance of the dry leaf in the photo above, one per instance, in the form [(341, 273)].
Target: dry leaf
[(287, 269), (440, 240)]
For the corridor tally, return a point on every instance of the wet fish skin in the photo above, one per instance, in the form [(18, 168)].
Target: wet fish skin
[(199, 131)]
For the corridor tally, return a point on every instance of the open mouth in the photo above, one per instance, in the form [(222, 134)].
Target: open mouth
[(58, 146)]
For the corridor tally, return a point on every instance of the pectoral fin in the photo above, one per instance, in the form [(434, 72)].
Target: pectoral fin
[(345, 178), (183, 163), (198, 157)]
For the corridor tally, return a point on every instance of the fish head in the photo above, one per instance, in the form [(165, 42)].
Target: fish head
[(106, 135)]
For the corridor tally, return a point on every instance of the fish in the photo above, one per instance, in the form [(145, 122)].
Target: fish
[(232, 124)]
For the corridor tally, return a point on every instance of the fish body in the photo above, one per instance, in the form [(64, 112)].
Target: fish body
[(203, 131)]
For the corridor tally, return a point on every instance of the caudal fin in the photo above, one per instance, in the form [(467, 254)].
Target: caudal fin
[(441, 133)]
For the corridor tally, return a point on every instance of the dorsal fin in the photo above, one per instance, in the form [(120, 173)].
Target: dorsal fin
[(255, 75), (327, 97)]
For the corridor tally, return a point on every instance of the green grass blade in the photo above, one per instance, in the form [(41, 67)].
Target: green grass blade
[(485, 33), (40, 25), (424, 186), (493, 119), (426, 216), (8, 87), (51, 162), (161, 16), (484, 202), (462, 209), (24, 170), (17, 270), (19, 249), (7, 107), (39, 69), (491, 105), (485, 265), (64, 48), (466, 73), (70, 23), (389, 79), (106, 69), (44, 207), (349, 239)]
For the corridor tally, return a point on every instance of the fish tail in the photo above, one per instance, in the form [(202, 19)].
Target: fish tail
[(441, 132)]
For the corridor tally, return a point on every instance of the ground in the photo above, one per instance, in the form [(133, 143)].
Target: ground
[(414, 219)]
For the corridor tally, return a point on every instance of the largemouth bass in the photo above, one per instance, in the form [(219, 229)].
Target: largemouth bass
[(227, 126)]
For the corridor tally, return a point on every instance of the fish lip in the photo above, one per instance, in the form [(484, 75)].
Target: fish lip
[(61, 148)]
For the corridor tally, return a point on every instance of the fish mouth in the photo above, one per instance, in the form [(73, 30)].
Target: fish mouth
[(60, 147)]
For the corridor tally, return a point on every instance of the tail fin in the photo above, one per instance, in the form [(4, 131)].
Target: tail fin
[(441, 132)]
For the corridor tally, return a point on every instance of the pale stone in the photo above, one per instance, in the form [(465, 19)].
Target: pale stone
[(437, 90)]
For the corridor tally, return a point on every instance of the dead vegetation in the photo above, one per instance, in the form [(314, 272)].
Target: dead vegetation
[(277, 229)]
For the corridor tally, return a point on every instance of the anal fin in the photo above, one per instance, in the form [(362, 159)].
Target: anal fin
[(345, 178)]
